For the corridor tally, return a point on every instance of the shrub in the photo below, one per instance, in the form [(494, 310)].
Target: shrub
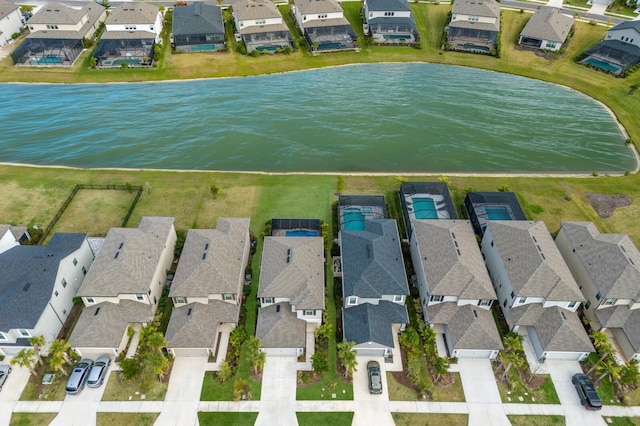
[(255, 53), (225, 372), (214, 191), (320, 362), (130, 368), (340, 184), (503, 188)]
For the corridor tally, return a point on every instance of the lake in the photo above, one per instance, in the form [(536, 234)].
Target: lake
[(367, 118)]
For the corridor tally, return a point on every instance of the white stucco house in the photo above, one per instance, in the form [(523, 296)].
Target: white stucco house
[(607, 269), (474, 26), (260, 25), (123, 286), (536, 291), (618, 52), (290, 292), (456, 292), (547, 29), (389, 21), (37, 287), (11, 236), (207, 288), (323, 24), (10, 21)]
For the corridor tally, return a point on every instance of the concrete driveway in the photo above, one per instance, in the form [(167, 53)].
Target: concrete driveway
[(278, 396), (370, 409), (481, 392), (180, 406), (575, 413), (11, 390)]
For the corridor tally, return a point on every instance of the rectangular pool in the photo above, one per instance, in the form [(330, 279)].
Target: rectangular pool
[(424, 208), (352, 220), (497, 213), (301, 233)]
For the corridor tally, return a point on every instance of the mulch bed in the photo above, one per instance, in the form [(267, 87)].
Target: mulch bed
[(605, 204)]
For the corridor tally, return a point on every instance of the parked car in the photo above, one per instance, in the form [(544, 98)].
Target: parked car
[(586, 391), (375, 380), (5, 370), (98, 371), (78, 376)]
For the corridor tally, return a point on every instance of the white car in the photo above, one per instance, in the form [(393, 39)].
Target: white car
[(5, 370)]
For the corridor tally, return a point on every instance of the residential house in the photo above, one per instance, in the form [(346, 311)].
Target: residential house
[(547, 29), (11, 236), (124, 285), (374, 287), (389, 21), (261, 26), (481, 207), (37, 287), (425, 200), (618, 52), (10, 22), (323, 25), (131, 32), (455, 289), (57, 34), (294, 227), (606, 267), (536, 291), (474, 26), (290, 293), (198, 27)]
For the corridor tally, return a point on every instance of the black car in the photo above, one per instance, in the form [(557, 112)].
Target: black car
[(375, 380), (586, 391)]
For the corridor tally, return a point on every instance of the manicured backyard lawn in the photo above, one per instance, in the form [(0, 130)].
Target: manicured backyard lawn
[(324, 418)]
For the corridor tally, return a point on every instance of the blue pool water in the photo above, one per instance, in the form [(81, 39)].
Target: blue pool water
[(602, 65), (497, 213), (301, 233), (352, 220), (424, 208)]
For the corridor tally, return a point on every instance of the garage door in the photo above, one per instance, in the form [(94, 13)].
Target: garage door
[(468, 354), (371, 352), (281, 351), (94, 352), (203, 352), (564, 356)]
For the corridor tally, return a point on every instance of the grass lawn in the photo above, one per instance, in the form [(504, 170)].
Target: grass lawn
[(536, 420), (36, 391), (632, 398), (212, 390), (545, 394), (138, 419), (622, 421), (452, 393), (399, 392), (620, 7), (418, 419), (120, 392), (32, 419), (325, 418), (328, 386), (95, 211), (227, 419)]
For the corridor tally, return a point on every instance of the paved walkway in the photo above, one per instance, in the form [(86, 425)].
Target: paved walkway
[(481, 393), (278, 396), (183, 395), (370, 409)]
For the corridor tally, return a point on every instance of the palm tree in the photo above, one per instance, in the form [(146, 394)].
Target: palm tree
[(603, 346), (257, 358), (442, 367), (157, 364), (37, 342), (24, 358), (609, 367), (56, 362), (61, 347), (347, 357), (512, 352)]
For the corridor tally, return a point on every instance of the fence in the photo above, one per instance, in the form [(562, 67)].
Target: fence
[(78, 187)]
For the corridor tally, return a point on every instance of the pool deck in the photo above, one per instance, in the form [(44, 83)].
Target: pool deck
[(438, 200)]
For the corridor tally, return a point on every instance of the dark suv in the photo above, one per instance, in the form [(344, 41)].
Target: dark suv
[(586, 391), (375, 380)]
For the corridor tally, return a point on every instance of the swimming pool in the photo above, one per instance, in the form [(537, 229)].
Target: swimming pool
[(497, 213), (352, 220), (301, 233), (424, 208), (602, 65)]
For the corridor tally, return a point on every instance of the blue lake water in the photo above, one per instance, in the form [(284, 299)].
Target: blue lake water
[(369, 118)]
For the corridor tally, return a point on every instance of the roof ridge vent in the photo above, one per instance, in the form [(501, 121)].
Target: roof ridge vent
[(26, 287)]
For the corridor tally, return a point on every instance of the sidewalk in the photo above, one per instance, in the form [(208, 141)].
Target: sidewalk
[(481, 393)]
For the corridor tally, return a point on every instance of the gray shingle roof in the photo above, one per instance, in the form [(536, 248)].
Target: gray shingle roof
[(608, 260), (372, 323), (533, 262), (55, 34), (212, 260), (388, 5), (372, 263), (451, 259), (307, 7), (278, 327), (128, 259), (622, 317), (480, 26), (57, 13), (196, 325), (635, 24), (258, 9), (293, 268), (27, 277), (468, 326), (103, 325), (7, 8), (484, 8), (548, 23), (134, 35), (258, 29), (197, 18), (334, 22), (558, 329), (133, 13)]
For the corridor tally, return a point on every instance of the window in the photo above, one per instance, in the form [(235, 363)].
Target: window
[(151, 29), (598, 296), (227, 296), (90, 300), (139, 297), (504, 304), (551, 44), (56, 293), (260, 22), (473, 18), (64, 312), (129, 27), (64, 283), (397, 298), (75, 261), (491, 243), (3, 337), (588, 304), (486, 302), (52, 27), (513, 295), (267, 300), (609, 302), (84, 270), (309, 312), (522, 300), (322, 16), (149, 292), (436, 298), (572, 304), (181, 300), (24, 333), (389, 13), (353, 300), (155, 300)]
